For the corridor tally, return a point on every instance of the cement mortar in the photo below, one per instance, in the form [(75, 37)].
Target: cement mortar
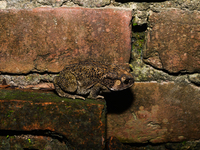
[(143, 72), (23, 80), (195, 78), (141, 10), (141, 6)]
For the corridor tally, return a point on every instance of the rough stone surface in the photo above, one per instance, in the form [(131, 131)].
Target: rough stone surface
[(142, 10), (158, 112), (173, 42), (51, 2), (46, 39), (25, 81), (92, 3), (21, 4), (75, 121), (3, 4), (182, 4), (194, 78), (144, 73)]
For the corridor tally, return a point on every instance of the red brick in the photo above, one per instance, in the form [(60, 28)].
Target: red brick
[(81, 123), (158, 112), (47, 39), (173, 42)]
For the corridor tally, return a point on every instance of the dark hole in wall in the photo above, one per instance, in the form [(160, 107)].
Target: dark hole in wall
[(138, 35), (118, 102), (139, 28), (147, 1), (138, 40)]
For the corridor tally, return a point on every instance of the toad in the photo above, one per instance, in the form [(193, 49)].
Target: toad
[(90, 79)]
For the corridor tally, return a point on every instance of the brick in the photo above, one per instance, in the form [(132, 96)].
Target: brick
[(156, 113), (47, 39), (173, 42), (81, 123), (9, 142)]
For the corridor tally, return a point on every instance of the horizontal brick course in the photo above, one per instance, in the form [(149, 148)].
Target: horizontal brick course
[(47, 39), (156, 113), (81, 123)]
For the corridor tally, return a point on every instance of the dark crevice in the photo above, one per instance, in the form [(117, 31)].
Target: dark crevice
[(194, 83), (139, 28), (63, 3), (114, 143), (168, 146), (61, 138), (179, 73), (31, 72), (147, 145)]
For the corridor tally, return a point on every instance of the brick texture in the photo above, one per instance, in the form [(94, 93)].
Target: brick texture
[(158, 112), (173, 42), (47, 39), (80, 123)]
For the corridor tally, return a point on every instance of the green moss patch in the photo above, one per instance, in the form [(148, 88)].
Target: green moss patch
[(38, 95)]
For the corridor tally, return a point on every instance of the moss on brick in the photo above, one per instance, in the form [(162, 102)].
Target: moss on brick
[(78, 121)]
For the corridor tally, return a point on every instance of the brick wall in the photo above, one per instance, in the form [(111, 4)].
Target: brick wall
[(159, 40)]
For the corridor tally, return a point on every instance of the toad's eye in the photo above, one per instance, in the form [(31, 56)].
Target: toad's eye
[(126, 81)]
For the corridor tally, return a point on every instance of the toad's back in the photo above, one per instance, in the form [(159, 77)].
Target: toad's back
[(89, 70)]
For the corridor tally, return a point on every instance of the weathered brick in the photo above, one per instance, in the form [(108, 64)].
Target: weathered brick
[(173, 42), (81, 123), (158, 112), (47, 39), (27, 141)]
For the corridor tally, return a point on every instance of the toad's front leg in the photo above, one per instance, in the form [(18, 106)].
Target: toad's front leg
[(94, 93)]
